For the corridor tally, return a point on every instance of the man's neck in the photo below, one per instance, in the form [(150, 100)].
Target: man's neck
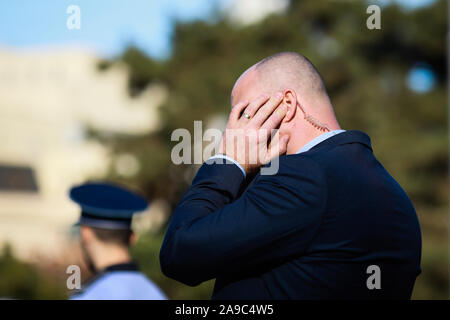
[(110, 256), (299, 141)]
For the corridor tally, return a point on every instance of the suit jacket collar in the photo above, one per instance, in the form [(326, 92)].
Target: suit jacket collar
[(349, 136)]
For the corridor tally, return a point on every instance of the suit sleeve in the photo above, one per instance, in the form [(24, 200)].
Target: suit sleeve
[(214, 232)]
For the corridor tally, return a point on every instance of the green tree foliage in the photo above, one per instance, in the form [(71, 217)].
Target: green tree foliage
[(146, 252), (24, 281), (365, 73)]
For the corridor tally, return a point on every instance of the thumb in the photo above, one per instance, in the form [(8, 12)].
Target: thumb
[(278, 147)]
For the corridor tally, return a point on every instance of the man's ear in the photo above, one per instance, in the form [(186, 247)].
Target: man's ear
[(290, 100), (86, 233), (133, 238)]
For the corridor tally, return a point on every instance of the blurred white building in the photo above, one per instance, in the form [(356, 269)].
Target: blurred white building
[(47, 101), (246, 12)]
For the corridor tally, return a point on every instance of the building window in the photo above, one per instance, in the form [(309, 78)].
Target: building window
[(16, 178)]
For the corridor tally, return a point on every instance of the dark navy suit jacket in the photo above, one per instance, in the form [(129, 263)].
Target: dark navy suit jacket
[(309, 232)]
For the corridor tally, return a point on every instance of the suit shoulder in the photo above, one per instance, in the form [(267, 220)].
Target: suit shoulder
[(296, 171), (299, 164)]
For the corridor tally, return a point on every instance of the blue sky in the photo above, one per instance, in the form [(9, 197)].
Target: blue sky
[(107, 26)]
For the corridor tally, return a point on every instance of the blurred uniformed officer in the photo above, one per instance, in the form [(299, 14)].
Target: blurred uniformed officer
[(106, 235)]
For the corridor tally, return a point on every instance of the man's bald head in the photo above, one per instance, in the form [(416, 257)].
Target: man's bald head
[(281, 71), (309, 110), (291, 70)]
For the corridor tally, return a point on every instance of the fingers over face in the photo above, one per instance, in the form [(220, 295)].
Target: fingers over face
[(275, 118), (254, 106), (237, 110), (266, 110)]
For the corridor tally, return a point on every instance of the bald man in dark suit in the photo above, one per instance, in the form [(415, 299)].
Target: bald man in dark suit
[(331, 223)]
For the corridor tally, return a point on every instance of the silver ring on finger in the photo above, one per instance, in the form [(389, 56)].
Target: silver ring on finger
[(246, 116)]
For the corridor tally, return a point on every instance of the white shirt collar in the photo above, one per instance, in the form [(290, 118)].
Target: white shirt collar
[(319, 139)]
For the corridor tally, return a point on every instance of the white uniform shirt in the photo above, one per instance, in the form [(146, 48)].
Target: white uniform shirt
[(121, 285)]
